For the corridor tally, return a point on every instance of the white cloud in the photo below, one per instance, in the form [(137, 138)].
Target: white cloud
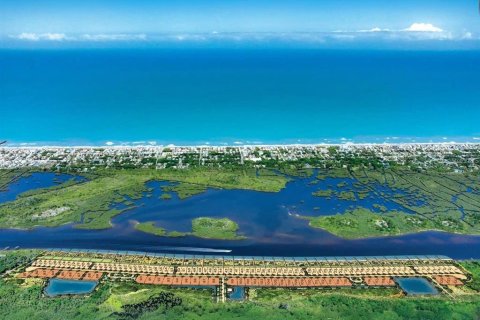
[(112, 37), (422, 27), (27, 36), (346, 37), (30, 36), (38, 37), (375, 29), (414, 27), (467, 35), (54, 36), (416, 31)]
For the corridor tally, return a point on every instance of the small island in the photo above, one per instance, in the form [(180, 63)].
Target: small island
[(363, 223), (203, 227), (211, 228), (166, 196), (150, 227)]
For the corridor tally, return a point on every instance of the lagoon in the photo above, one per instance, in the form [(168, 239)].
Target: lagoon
[(268, 220)]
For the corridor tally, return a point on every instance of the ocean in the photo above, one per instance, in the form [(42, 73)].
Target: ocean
[(237, 96)]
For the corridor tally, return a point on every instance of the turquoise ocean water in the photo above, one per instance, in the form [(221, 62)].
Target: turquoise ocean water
[(238, 96)]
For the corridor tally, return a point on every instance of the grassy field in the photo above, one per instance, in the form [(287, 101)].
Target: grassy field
[(88, 204), (23, 299)]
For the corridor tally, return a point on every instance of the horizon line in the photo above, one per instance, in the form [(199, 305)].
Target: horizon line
[(445, 143)]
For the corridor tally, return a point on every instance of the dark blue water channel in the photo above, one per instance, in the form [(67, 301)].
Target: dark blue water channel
[(268, 220)]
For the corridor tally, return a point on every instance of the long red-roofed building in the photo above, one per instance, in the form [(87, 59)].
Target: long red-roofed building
[(178, 281), (290, 282), (379, 281), (448, 281)]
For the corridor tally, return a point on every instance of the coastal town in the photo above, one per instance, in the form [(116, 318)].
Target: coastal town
[(452, 156), (231, 277)]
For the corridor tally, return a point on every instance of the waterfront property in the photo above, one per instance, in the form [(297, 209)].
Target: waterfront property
[(413, 274)]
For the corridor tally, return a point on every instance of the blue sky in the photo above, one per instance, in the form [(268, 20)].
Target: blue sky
[(320, 21)]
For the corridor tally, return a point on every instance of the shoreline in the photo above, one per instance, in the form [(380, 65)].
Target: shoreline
[(474, 142), (236, 257)]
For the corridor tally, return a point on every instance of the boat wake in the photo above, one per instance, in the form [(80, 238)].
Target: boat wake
[(195, 249)]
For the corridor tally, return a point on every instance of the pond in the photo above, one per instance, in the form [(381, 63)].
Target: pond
[(58, 287), (416, 286), (237, 293)]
